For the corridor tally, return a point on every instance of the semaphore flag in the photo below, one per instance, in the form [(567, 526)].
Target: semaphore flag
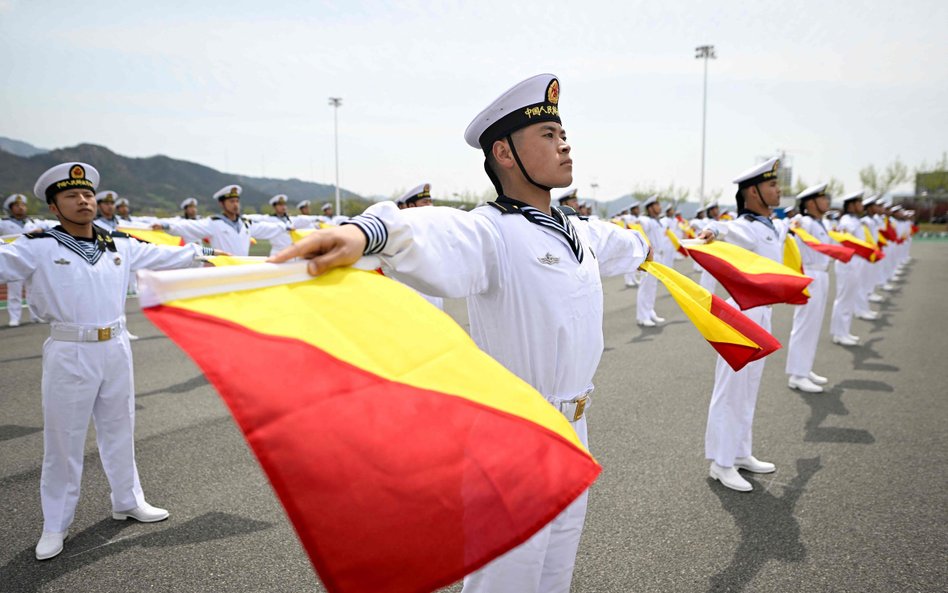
[(840, 252), (152, 236), (751, 279), (735, 337), (405, 457), (862, 248)]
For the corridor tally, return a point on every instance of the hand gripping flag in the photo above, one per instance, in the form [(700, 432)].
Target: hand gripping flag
[(863, 249), (840, 252), (735, 337), (752, 280), (405, 457), (152, 236)]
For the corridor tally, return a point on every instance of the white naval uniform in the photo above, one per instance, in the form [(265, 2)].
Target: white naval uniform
[(85, 379), (808, 318), (631, 278), (535, 309), (282, 240), (848, 282), (225, 234), (707, 281), (12, 226), (661, 246), (731, 413)]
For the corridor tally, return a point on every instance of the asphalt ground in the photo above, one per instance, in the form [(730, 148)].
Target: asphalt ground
[(859, 501)]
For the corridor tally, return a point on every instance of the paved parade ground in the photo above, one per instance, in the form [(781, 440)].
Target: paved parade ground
[(859, 501)]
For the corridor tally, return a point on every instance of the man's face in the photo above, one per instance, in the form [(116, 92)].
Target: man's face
[(635, 211), (231, 206), (572, 203), (18, 210), (855, 207), (654, 210), (818, 206), (107, 209), (770, 193), (122, 210), (280, 209), (190, 211), (420, 202), (75, 205), (305, 210), (327, 211), (714, 213), (545, 153)]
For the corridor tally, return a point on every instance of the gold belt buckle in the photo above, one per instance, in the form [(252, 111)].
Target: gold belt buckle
[(105, 333), (580, 407)]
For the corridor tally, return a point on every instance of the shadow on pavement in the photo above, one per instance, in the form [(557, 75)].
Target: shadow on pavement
[(13, 431), (646, 334), (865, 352), (826, 404), (769, 531), (183, 387), (26, 574)]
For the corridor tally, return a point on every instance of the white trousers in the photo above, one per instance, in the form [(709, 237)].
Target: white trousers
[(645, 298), (15, 301), (731, 413), (807, 323), (848, 286), (83, 380), (542, 564)]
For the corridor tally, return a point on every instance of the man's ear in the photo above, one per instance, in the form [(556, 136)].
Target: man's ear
[(52, 208), (502, 154)]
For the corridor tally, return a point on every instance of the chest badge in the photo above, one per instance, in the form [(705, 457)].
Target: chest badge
[(549, 259), (62, 261), (117, 260)]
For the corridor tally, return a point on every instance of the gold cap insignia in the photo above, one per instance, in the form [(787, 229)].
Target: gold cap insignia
[(553, 92), (77, 172)]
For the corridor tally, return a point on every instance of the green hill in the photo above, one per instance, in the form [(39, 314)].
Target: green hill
[(158, 184)]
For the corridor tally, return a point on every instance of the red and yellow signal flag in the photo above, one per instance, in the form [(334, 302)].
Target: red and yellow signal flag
[(405, 456), (863, 249), (793, 259), (152, 236), (840, 252), (675, 242), (735, 337), (751, 279)]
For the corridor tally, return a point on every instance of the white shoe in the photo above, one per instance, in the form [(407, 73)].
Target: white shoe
[(819, 379), (752, 464), (50, 545), (646, 323), (876, 298), (729, 477), (143, 512), (845, 341), (804, 384), (888, 287), (631, 284), (657, 319), (14, 324), (131, 337), (868, 315), (852, 337)]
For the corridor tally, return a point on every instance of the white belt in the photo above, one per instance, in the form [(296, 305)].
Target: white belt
[(574, 408), (74, 332)]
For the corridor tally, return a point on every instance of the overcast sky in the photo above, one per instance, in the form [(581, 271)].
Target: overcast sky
[(242, 86)]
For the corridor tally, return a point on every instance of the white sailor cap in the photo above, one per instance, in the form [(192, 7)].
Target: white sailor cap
[(121, 201), (229, 191), (856, 195), (106, 195), (302, 204), (326, 206), (909, 212), (188, 202), (63, 177), (870, 200), (12, 199), (711, 204), (278, 199), (534, 100), (896, 208), (416, 193), (568, 195), (814, 191), (758, 173), (652, 199), (634, 204)]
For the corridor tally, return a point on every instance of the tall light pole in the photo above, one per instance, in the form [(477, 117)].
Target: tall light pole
[(704, 52), (335, 102)]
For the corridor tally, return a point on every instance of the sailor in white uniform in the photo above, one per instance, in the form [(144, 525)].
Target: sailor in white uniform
[(78, 274), (531, 276), (629, 215), (105, 202), (570, 200), (712, 215), (305, 219), (280, 217), (420, 197), (661, 246), (813, 202), (227, 231), (18, 223), (848, 275), (330, 217), (728, 439)]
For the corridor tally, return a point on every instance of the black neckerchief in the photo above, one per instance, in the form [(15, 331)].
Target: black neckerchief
[(81, 246), (555, 221)]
